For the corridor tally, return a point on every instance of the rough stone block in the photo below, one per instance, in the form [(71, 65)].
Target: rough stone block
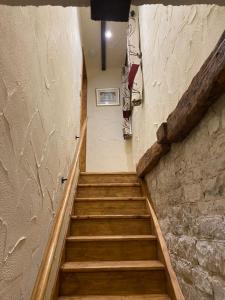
[(192, 293), (184, 269), (214, 188), (192, 193), (213, 124), (186, 248), (211, 227), (223, 119), (211, 256), (201, 280), (218, 288)]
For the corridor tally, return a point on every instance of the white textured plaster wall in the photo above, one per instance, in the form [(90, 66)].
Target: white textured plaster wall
[(107, 151), (40, 79), (175, 42)]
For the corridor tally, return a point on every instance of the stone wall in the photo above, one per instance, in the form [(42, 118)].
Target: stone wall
[(188, 192)]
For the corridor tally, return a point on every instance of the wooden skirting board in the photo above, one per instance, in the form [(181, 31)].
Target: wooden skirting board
[(206, 87)]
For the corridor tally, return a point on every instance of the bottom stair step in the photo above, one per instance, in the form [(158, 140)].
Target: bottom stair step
[(129, 297)]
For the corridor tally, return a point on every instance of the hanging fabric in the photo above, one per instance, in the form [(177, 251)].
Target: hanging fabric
[(134, 60), (125, 95), (127, 129), (132, 84)]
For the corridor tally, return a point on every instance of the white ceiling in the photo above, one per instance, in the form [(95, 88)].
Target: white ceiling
[(91, 41)]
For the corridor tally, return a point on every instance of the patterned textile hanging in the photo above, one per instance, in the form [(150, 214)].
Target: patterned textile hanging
[(132, 81), (135, 79), (125, 95)]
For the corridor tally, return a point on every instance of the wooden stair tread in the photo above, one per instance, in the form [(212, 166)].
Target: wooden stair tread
[(85, 217), (116, 177), (101, 189), (117, 297), (127, 184), (110, 238), (111, 199), (112, 266)]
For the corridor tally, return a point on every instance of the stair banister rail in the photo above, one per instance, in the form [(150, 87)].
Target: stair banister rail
[(46, 265)]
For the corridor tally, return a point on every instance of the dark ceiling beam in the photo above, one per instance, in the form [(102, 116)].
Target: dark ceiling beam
[(84, 3), (103, 45), (116, 10)]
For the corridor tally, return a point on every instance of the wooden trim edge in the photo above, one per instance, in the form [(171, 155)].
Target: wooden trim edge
[(174, 289), (83, 115)]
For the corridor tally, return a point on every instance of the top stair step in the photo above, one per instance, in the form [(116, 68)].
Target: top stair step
[(92, 190), (108, 177)]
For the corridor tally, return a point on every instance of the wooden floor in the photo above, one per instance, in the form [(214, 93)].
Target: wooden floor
[(111, 251)]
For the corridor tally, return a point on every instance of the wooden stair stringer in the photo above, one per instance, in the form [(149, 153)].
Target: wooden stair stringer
[(173, 286)]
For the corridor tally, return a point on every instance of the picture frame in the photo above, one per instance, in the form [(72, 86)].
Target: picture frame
[(108, 97)]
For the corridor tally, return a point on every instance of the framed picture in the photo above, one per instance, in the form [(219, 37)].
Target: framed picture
[(107, 97)]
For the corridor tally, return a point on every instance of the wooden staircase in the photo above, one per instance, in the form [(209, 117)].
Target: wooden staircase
[(112, 251)]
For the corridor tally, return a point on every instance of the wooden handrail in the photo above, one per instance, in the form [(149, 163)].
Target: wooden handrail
[(42, 281)]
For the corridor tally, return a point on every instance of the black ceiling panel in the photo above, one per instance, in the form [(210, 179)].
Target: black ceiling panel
[(110, 10)]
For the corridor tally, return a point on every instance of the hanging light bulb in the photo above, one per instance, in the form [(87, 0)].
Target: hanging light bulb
[(108, 34)]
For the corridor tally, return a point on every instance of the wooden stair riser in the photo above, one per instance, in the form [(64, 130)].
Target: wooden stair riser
[(112, 283), (106, 207), (108, 178), (109, 191), (106, 226), (111, 250)]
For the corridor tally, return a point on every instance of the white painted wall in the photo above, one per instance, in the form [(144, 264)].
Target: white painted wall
[(40, 79), (106, 149), (175, 42)]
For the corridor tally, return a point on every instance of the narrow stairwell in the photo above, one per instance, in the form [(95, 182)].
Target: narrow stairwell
[(111, 252)]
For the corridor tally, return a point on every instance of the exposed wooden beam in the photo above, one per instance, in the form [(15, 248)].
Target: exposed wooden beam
[(204, 90), (103, 45), (162, 134), (206, 87), (151, 157)]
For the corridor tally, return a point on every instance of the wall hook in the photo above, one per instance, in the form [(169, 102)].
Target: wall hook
[(63, 179), (77, 137), (132, 13)]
